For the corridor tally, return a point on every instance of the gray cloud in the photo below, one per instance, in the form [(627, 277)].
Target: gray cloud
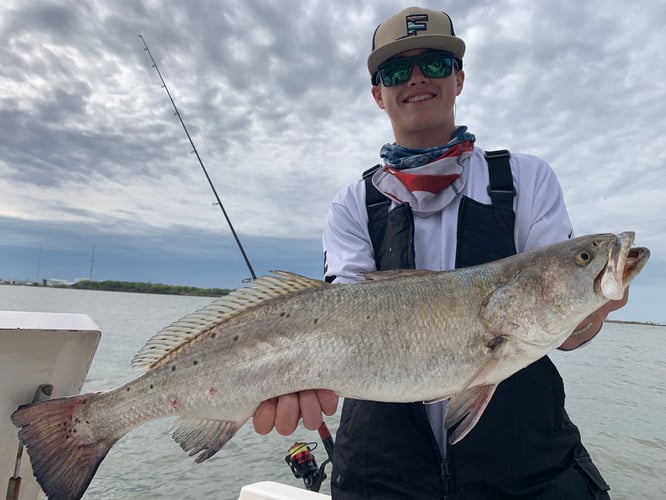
[(276, 97)]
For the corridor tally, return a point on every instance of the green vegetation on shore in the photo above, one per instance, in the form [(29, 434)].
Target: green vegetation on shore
[(624, 322), (158, 288)]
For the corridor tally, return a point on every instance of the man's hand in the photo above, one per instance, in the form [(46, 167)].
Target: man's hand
[(591, 325), (284, 412)]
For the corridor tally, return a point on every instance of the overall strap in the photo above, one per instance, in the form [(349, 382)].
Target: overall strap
[(501, 188), (377, 206)]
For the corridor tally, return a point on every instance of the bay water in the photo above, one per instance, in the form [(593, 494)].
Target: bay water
[(616, 394)]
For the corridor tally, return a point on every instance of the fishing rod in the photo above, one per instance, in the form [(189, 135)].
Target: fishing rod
[(194, 150), (300, 459)]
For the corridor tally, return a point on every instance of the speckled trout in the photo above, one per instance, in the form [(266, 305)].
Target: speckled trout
[(398, 336)]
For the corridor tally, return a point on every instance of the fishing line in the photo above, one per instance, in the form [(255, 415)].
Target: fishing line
[(194, 150)]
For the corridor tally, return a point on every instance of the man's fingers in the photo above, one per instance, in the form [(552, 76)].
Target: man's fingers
[(310, 409), (328, 401), (287, 414), (264, 417), (284, 412)]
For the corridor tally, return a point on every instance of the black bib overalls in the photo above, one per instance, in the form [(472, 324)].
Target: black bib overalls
[(523, 447)]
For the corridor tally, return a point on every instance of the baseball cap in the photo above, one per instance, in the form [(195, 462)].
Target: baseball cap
[(414, 28)]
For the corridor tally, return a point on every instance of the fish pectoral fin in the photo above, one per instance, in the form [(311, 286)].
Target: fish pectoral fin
[(204, 436), (467, 407)]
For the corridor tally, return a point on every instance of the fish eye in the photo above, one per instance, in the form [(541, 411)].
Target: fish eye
[(583, 258)]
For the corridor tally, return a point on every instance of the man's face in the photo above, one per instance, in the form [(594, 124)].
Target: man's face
[(421, 109)]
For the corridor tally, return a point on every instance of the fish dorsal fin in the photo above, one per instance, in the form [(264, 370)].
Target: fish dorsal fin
[(397, 273), (266, 288)]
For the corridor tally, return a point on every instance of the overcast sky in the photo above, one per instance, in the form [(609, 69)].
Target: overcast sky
[(277, 99)]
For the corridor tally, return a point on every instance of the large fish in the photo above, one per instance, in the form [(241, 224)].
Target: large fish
[(399, 336)]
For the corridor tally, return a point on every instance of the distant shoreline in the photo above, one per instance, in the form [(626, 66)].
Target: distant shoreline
[(157, 288), (134, 287), (648, 323)]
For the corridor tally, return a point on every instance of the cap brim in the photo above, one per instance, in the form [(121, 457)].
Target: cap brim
[(448, 43)]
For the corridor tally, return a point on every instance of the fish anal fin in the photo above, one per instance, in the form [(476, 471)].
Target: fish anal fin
[(204, 436), (467, 407), (63, 461)]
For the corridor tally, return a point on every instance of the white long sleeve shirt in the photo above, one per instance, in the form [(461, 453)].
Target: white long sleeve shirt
[(541, 219)]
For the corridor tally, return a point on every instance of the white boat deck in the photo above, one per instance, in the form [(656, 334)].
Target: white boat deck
[(36, 349), (269, 490)]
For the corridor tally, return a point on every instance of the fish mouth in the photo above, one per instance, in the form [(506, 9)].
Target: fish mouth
[(624, 264)]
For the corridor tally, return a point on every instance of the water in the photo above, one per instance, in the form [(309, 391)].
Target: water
[(615, 394)]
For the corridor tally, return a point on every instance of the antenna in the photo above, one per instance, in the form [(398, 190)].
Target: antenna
[(194, 150), (92, 262)]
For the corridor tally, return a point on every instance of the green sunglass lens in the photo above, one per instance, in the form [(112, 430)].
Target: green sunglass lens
[(432, 65), (436, 67), (395, 74)]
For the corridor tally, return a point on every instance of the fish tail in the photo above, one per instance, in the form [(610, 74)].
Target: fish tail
[(62, 449)]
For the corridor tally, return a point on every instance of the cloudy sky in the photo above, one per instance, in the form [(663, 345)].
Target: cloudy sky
[(275, 94)]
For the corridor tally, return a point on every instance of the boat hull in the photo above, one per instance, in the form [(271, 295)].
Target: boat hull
[(53, 351)]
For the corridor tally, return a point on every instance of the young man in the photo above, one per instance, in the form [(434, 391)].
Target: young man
[(440, 208)]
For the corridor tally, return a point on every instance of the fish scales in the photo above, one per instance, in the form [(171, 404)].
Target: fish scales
[(301, 328), (400, 336)]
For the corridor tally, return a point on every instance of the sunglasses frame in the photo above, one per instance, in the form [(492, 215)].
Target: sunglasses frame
[(414, 60)]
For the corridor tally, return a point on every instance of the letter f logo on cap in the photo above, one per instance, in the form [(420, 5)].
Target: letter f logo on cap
[(416, 23)]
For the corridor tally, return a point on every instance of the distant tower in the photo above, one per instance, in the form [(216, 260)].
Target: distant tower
[(92, 262), (39, 264)]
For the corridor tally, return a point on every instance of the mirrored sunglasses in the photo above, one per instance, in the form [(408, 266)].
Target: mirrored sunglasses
[(399, 70)]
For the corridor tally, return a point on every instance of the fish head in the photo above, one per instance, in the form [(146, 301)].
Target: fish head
[(535, 302), (550, 291)]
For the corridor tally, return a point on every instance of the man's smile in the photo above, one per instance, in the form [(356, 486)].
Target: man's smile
[(419, 97)]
